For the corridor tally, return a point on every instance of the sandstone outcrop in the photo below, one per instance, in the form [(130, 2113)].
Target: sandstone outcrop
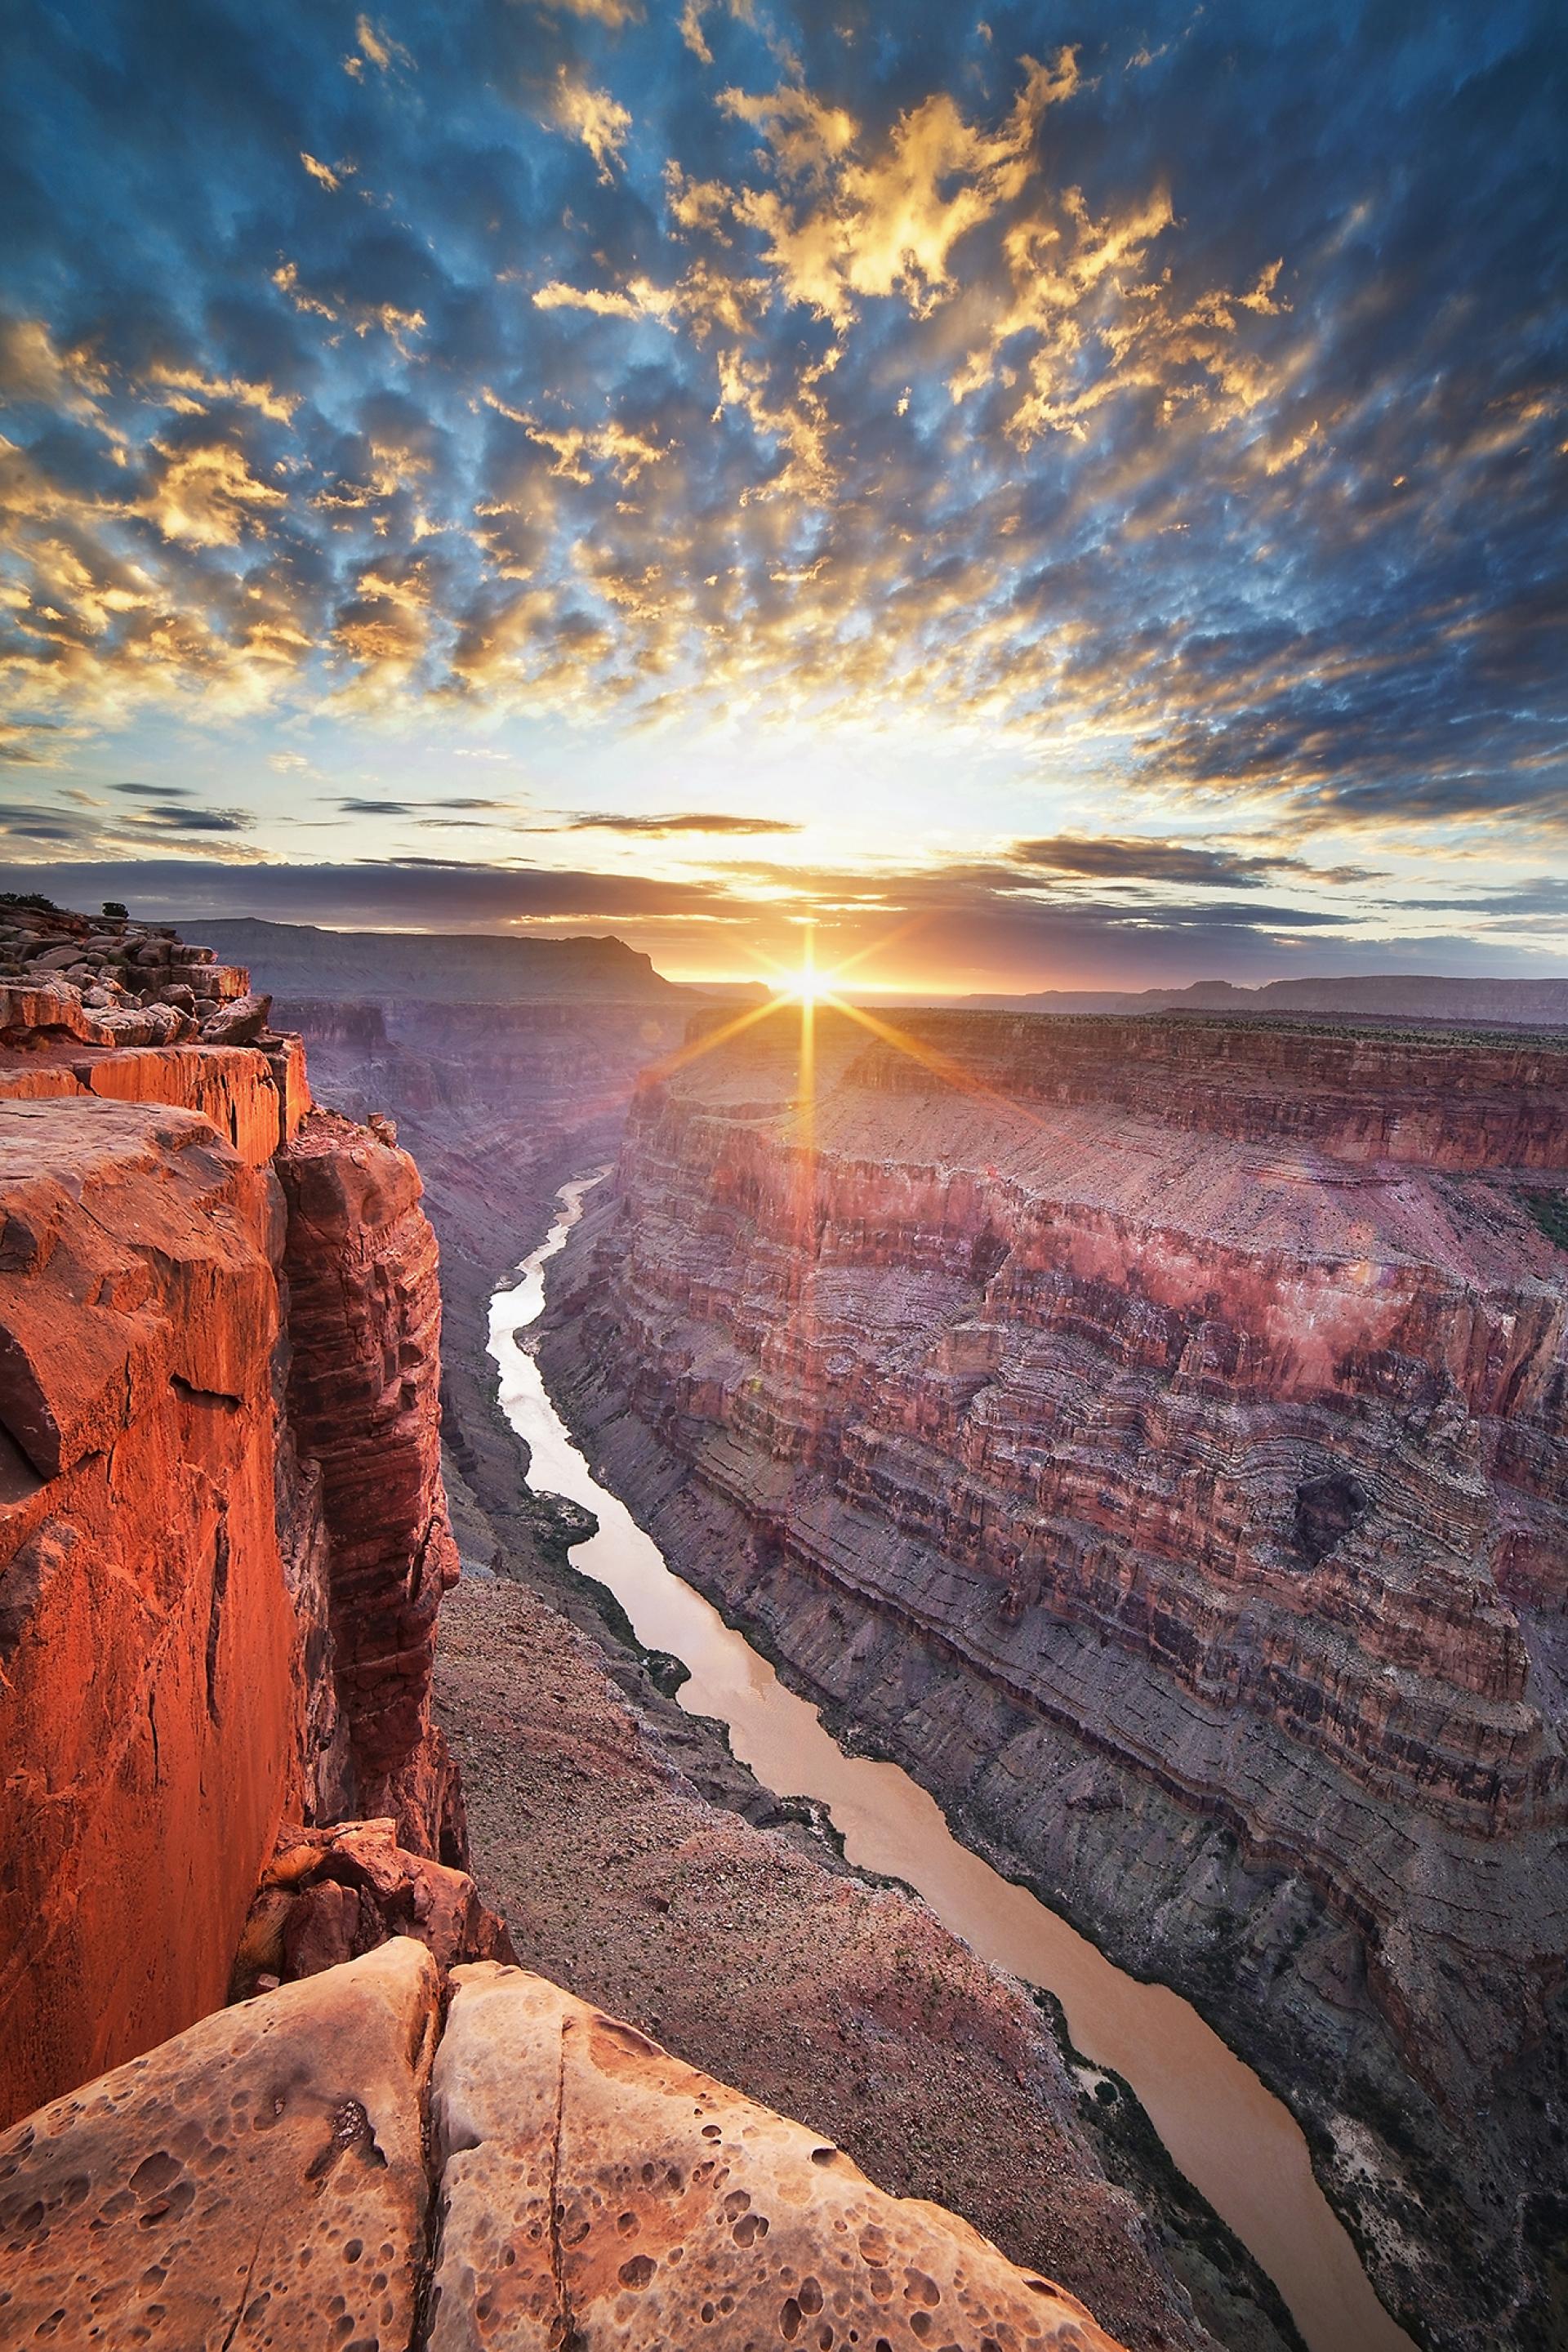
[(223, 1537), (595, 2190), (1153, 1433), (263, 2180), (154, 1703), (260, 2180), (363, 1401), (331, 1894)]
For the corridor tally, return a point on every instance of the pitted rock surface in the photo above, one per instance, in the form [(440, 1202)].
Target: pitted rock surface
[(257, 2181), (595, 2191)]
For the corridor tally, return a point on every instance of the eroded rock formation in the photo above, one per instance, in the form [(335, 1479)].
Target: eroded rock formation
[(1155, 1432), (333, 1894), (365, 1315), (595, 2190), (223, 1535), (251, 2183), (156, 1692), (262, 2180)]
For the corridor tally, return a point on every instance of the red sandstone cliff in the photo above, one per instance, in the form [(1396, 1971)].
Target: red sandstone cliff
[(223, 1536), (365, 1321), (1155, 1432)]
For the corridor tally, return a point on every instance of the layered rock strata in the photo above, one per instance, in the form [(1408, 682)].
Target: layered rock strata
[(223, 1534), (263, 2179), (365, 1311), (1153, 1432)]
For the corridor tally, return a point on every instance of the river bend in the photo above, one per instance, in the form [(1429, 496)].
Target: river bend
[(1234, 2141)]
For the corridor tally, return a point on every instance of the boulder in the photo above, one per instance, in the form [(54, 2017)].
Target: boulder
[(258, 2180), (237, 1023), (329, 1895)]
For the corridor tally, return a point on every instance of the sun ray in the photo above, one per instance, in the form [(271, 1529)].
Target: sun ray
[(694, 1048), (941, 1065)]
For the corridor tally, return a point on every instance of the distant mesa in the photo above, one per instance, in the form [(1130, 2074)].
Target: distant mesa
[(1365, 996), (299, 960)]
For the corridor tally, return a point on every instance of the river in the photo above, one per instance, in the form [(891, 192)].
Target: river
[(1234, 2141)]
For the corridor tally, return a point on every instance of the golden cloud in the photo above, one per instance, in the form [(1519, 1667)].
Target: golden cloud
[(595, 118)]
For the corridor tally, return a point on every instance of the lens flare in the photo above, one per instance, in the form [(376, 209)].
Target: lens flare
[(809, 985)]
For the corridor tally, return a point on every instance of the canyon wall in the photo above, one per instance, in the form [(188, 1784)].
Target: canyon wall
[(222, 1533), (1153, 1433)]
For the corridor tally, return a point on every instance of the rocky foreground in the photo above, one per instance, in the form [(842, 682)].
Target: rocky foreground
[(352, 2161), (1152, 1435)]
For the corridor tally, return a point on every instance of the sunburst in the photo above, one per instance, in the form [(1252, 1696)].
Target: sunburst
[(809, 989)]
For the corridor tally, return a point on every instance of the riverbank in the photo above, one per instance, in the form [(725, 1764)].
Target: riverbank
[(593, 1801), (1230, 2136)]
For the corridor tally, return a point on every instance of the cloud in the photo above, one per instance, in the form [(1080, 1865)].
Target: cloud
[(595, 118), (376, 47), (613, 13), (358, 807), (1196, 429), (24, 743), (693, 823), (179, 819), (1108, 858)]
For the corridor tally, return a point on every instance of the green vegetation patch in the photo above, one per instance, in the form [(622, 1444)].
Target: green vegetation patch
[(1549, 1211)]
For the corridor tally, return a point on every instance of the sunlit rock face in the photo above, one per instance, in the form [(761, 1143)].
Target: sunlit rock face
[(595, 2190), (156, 1699), (223, 1536), (250, 2182), (1153, 1432), (339, 2162)]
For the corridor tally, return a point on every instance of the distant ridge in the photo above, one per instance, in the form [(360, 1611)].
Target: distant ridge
[(1390, 996), (299, 960)]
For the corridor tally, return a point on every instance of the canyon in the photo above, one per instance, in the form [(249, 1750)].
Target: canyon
[(1149, 1433), (275, 2071)]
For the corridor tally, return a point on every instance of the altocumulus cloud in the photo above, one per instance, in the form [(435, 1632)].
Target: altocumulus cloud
[(1187, 385)]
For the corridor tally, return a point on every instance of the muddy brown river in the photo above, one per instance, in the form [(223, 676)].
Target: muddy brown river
[(1234, 2141)]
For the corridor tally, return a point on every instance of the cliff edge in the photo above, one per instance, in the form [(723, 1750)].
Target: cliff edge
[(223, 1532)]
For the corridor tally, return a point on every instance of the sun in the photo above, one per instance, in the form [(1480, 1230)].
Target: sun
[(810, 985), (807, 986)]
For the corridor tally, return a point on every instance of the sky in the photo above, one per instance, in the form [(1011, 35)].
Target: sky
[(1053, 496)]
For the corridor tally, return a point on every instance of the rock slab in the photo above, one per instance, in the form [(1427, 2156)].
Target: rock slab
[(597, 2192), (260, 2180)]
